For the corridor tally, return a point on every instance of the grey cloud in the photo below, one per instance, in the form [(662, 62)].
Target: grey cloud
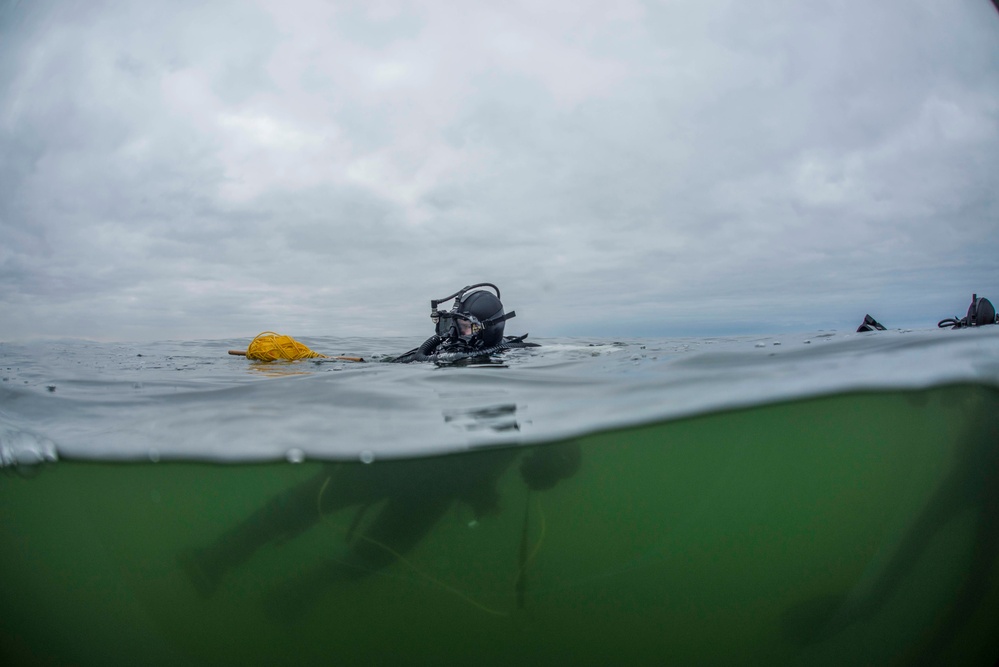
[(178, 169)]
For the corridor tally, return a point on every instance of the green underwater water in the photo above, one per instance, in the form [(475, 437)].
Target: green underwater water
[(700, 541)]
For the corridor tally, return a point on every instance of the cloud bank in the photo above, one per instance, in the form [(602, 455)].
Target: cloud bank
[(176, 170)]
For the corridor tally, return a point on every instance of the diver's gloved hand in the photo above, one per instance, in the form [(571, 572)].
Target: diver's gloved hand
[(484, 501), (547, 464), (455, 345)]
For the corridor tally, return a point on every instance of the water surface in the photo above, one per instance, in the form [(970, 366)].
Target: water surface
[(812, 499)]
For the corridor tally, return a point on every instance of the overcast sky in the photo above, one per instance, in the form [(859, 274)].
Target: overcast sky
[(188, 170)]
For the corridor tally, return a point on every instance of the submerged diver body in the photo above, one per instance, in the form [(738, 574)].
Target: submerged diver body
[(409, 496), (971, 488)]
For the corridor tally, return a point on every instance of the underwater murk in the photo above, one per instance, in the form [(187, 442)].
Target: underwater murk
[(821, 499)]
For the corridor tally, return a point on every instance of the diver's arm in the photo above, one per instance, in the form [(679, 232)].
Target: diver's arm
[(546, 465), (421, 353)]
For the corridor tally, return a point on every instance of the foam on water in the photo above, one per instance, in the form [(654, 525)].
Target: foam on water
[(192, 401)]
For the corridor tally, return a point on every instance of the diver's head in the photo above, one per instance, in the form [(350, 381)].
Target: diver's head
[(476, 320), (480, 319)]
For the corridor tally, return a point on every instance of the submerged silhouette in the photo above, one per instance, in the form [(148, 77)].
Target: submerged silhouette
[(412, 496), (971, 486)]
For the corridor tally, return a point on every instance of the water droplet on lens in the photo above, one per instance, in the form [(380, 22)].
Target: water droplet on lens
[(295, 456), (367, 456)]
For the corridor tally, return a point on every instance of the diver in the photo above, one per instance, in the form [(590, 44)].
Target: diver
[(472, 330), (980, 312), (397, 503), (969, 491)]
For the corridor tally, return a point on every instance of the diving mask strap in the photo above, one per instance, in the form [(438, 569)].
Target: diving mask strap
[(501, 318)]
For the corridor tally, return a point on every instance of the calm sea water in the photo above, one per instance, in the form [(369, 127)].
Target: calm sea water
[(193, 401), (821, 498)]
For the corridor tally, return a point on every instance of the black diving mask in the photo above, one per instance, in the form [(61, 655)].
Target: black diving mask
[(452, 325), (455, 325)]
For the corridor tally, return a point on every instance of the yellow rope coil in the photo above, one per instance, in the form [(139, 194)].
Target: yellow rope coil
[(270, 346)]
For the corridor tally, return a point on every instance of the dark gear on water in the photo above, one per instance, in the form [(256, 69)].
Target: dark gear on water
[(472, 328), (870, 324), (980, 312)]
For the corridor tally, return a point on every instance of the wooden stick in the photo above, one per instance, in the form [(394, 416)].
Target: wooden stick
[(242, 353)]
